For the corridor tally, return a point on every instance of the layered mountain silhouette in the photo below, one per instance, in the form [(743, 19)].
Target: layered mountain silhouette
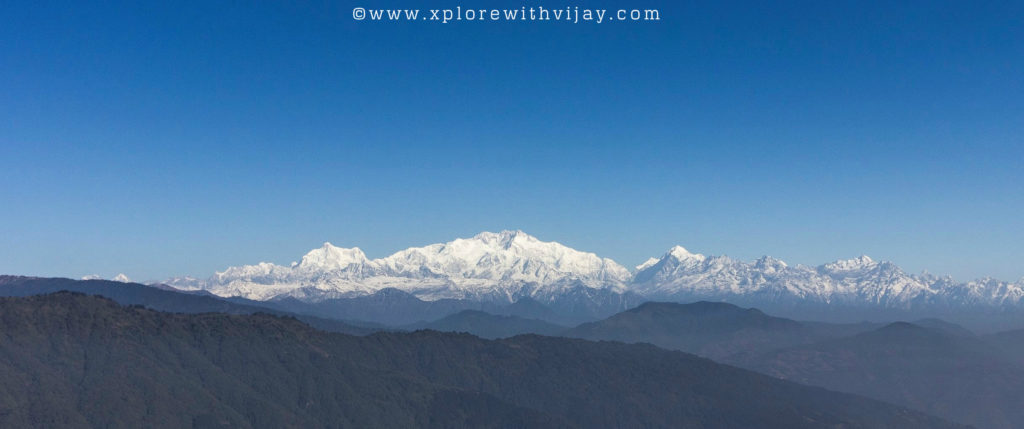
[(712, 329), (72, 360), (166, 300), (509, 266), (492, 326), (930, 365), (944, 373)]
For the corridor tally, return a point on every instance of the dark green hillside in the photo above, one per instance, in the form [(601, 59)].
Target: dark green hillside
[(1010, 344), (486, 325), (940, 372), (70, 360), (161, 299), (717, 330)]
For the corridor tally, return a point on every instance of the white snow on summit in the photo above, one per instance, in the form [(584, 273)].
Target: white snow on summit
[(680, 275), (506, 256), (647, 264), (489, 265), (507, 265), (118, 278)]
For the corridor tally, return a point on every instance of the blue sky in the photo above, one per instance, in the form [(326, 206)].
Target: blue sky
[(171, 138)]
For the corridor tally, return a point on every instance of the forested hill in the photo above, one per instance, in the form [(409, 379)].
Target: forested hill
[(71, 360), (173, 301)]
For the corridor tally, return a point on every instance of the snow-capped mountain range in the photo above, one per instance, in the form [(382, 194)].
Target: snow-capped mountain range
[(509, 265), (118, 278), (861, 281), (489, 266)]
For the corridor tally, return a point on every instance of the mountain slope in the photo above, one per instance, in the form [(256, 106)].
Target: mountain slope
[(76, 361), (500, 266), (717, 330), (396, 308), (491, 326), (860, 283), (71, 361), (509, 266), (164, 300), (680, 273), (944, 373), (1010, 343), (942, 369)]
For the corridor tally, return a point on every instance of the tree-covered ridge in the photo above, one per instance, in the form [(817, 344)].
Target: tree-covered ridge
[(70, 360)]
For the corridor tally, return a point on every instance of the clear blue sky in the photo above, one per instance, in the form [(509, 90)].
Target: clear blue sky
[(169, 138)]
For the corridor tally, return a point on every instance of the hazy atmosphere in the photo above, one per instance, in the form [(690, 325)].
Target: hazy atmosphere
[(442, 215), (164, 139)]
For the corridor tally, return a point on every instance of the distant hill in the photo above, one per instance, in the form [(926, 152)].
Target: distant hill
[(949, 374), (1009, 343), (161, 299), (944, 326), (70, 360), (941, 368), (713, 329), (393, 307), (390, 307), (486, 325)]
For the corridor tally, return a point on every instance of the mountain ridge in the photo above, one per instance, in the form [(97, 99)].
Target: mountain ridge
[(488, 266), (83, 361), (510, 265)]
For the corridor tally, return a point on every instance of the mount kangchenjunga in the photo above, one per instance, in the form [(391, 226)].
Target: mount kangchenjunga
[(501, 266), (511, 265)]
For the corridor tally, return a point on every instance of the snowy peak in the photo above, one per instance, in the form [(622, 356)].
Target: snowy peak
[(674, 264), (672, 259), (770, 264), (843, 266), (504, 239), (681, 275), (503, 265), (650, 262), (851, 267), (509, 265), (675, 259), (329, 257), (511, 256), (121, 277), (681, 254)]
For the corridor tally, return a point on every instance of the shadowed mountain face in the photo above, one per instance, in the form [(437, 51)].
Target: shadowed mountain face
[(389, 306), (486, 325), (958, 375), (161, 299), (1010, 344), (77, 361), (397, 308), (942, 369), (953, 375), (717, 330)]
